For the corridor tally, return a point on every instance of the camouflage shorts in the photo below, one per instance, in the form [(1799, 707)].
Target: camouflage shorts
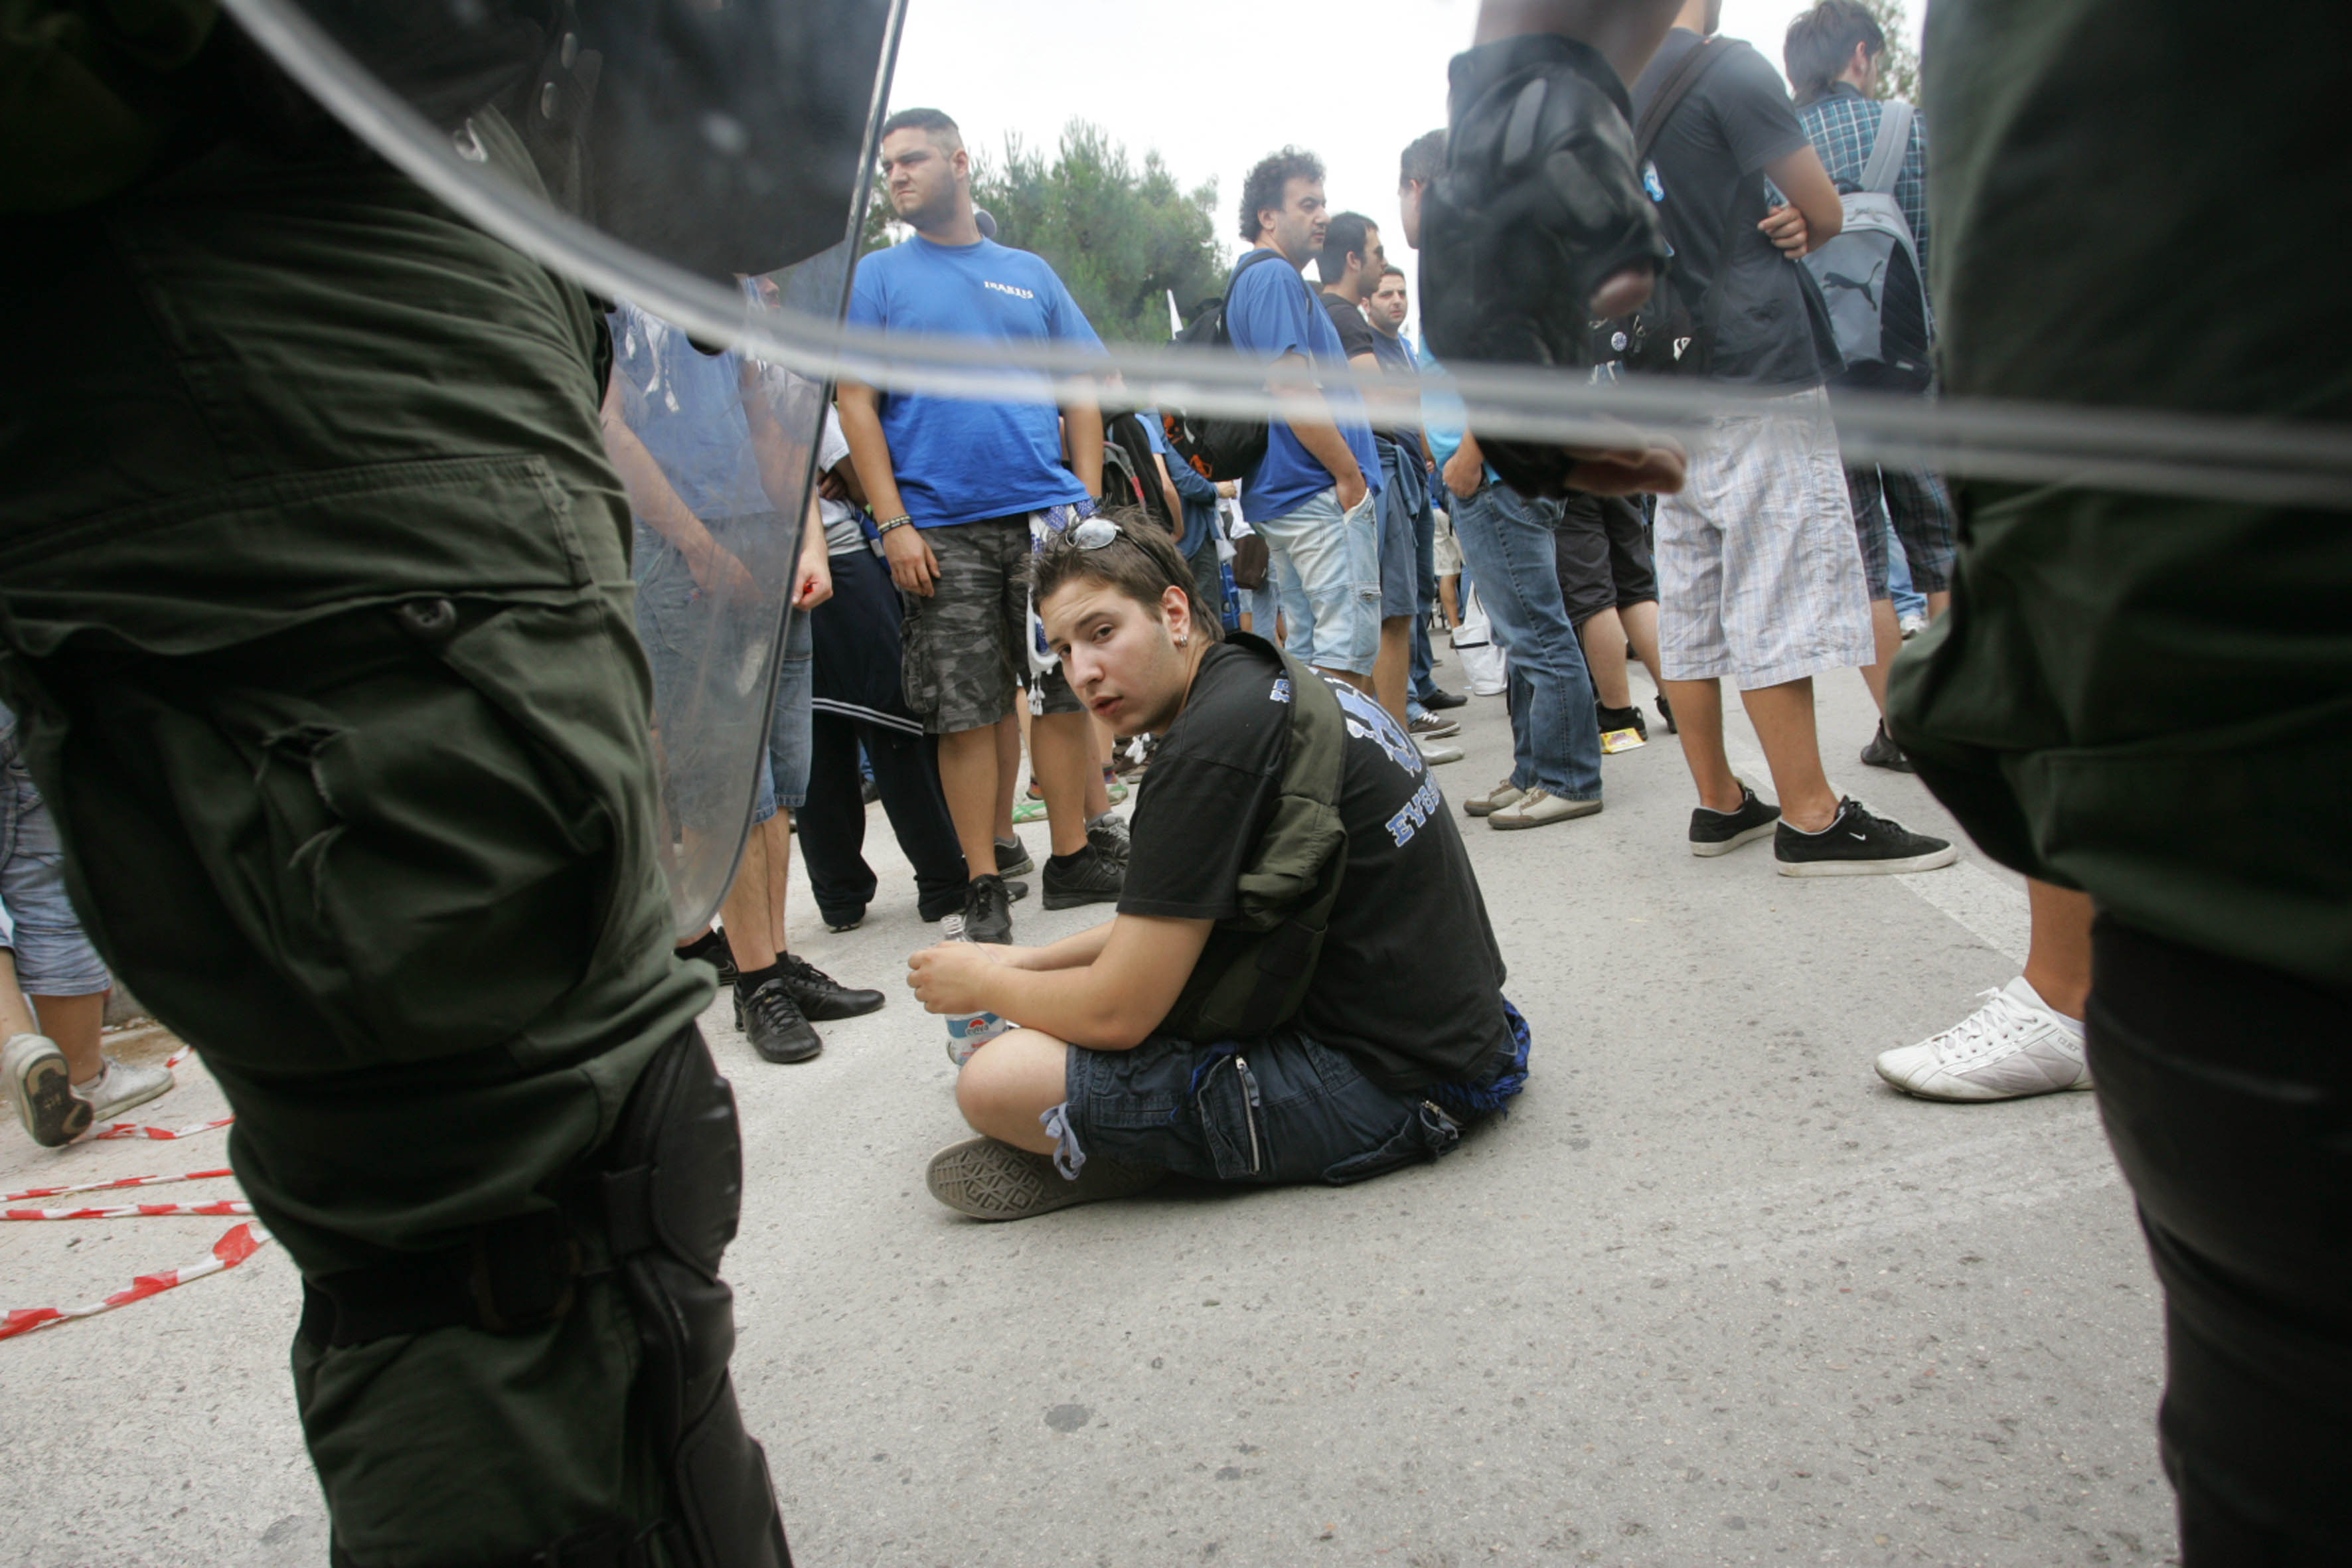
[(968, 646)]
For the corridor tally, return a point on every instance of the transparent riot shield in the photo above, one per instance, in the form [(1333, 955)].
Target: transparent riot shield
[(703, 166)]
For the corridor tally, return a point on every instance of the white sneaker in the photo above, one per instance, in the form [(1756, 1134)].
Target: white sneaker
[(121, 1086), (2013, 1047), (1911, 625), (1494, 800), (38, 1078), (1437, 753), (1539, 806)]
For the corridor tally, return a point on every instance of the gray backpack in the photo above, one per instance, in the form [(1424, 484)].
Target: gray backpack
[(1869, 277)]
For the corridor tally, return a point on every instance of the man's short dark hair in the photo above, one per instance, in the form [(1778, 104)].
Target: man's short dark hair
[(1141, 563), (1391, 270), (1349, 234), (1423, 160), (1266, 183), (942, 131), (1822, 40)]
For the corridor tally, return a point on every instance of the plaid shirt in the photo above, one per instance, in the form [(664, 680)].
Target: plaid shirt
[(1842, 126)]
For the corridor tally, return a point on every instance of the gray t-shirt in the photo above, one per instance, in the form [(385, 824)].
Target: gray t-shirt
[(1771, 326), (843, 531)]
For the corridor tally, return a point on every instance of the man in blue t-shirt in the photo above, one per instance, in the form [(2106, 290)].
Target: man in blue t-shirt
[(1312, 498), (958, 487)]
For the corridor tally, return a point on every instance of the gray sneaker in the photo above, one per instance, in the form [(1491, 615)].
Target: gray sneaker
[(39, 1083), (1539, 806), (122, 1086), (1013, 858), (989, 1180)]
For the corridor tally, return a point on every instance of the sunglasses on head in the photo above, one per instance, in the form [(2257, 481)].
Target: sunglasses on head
[(1093, 534)]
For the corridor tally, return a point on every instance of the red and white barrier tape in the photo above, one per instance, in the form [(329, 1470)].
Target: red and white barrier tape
[(133, 1211), (241, 1243), (111, 1186), (176, 1058), (132, 1129)]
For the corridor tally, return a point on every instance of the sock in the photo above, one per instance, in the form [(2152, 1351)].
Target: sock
[(1092, 821), (2074, 1025), (707, 945), (749, 979), (1067, 862)]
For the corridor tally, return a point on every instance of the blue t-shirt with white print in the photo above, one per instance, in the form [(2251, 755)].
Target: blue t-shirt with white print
[(957, 459), (1270, 312)]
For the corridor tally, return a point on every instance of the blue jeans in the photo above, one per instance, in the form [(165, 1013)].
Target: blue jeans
[(1407, 489), (1908, 600), (37, 919), (1331, 589), (1506, 540)]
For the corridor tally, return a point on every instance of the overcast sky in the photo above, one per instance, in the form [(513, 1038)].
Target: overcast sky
[(1215, 84)]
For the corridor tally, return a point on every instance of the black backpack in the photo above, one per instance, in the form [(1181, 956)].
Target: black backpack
[(1128, 466), (1218, 448), (1673, 332)]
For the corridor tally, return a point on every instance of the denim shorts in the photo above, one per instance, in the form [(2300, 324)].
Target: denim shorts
[(1333, 614), (1403, 495), (1281, 1108), (784, 773), (37, 919)]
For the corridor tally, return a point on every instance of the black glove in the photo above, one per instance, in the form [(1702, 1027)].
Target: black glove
[(1538, 205)]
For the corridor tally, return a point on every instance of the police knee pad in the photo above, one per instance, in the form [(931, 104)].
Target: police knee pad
[(670, 1191)]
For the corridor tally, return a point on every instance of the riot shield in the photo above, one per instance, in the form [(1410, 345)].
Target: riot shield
[(714, 154)]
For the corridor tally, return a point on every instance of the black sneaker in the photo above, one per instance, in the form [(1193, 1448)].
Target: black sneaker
[(1667, 712), (820, 996), (1721, 832), (1883, 753), (988, 910), (1441, 699), (1109, 836), (1091, 876), (839, 920), (774, 1022), (718, 955), (1858, 844), (1622, 728), (1013, 858)]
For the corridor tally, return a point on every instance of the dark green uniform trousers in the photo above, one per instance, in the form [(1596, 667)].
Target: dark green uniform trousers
[(315, 605)]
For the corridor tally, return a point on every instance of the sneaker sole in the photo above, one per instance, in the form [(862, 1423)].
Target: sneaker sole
[(1710, 848), (2081, 1085), (52, 1112), (1055, 900), (1929, 862), (986, 1180), (1485, 807), (1438, 731), (1510, 820)]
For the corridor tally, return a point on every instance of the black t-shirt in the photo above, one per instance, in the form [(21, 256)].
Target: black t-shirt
[(1771, 328), (1409, 982), (1356, 336)]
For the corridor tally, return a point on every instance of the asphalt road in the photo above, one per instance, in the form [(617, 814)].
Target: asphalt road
[(1712, 1294)]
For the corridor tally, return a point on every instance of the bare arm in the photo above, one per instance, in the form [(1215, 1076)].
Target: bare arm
[(1814, 213), (1168, 493), (652, 498), (1111, 1004), (1321, 437), (1082, 442), (912, 565)]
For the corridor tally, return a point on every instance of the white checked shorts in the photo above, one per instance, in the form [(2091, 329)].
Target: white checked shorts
[(1759, 576)]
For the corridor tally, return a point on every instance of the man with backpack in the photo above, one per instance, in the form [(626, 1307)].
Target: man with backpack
[(1759, 573), (959, 489), (1313, 494), (1875, 275), (1314, 994)]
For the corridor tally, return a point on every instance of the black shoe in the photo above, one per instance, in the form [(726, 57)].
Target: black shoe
[(1108, 835), (1013, 858), (1441, 699), (842, 920), (987, 910), (1883, 753), (1858, 844), (868, 791), (714, 952), (934, 910), (822, 998), (1088, 876), (1622, 728), (1721, 832), (1667, 712), (775, 1025)]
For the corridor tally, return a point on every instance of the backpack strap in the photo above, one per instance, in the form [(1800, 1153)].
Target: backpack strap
[(1224, 337), (1885, 166), (1671, 91)]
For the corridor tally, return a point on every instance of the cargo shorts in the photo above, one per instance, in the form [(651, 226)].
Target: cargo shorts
[(967, 647)]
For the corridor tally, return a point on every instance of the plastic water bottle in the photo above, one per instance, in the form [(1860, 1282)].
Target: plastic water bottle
[(967, 1032)]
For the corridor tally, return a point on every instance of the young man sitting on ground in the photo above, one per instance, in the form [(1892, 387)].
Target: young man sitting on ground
[(1300, 984)]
